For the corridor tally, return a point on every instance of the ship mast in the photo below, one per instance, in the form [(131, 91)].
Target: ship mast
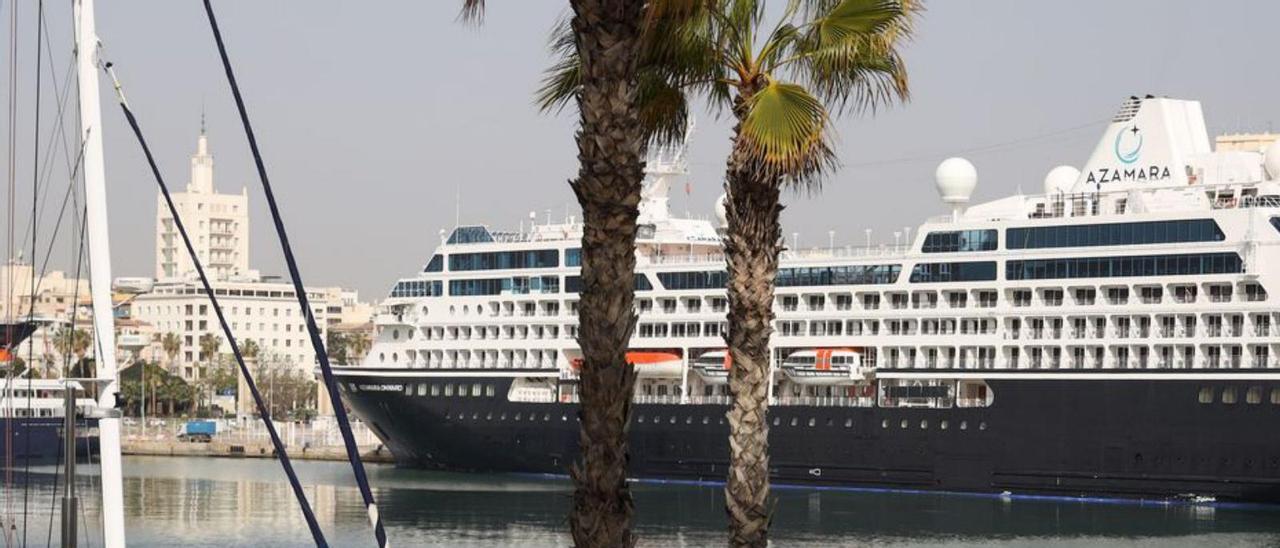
[(99, 272)]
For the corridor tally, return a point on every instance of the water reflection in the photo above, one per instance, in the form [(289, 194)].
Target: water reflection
[(198, 502)]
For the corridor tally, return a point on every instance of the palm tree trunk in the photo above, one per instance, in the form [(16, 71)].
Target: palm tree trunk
[(752, 244), (610, 147)]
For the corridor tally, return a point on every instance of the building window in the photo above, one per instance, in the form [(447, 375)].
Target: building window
[(954, 272)]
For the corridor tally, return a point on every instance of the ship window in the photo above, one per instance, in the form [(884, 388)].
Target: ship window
[(673, 419), (1275, 396), (1206, 395), (1228, 395), (1114, 234), (795, 421), (706, 420), (688, 420), (884, 423), (488, 390), (848, 423), (777, 421), (448, 415), (1127, 266), (435, 389), (502, 417), (924, 424), (422, 389), (903, 424), (640, 419), (475, 416), (519, 416), (954, 272), (964, 425), (960, 240), (488, 416), (546, 417), (943, 425), (982, 425), (830, 421), (657, 419)]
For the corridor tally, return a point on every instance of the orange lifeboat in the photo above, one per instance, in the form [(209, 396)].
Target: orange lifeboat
[(650, 364), (823, 366), (713, 367)]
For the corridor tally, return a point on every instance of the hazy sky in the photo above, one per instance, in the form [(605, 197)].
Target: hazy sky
[(372, 115)]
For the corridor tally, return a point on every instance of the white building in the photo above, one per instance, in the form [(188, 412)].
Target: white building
[(218, 225), (266, 312)]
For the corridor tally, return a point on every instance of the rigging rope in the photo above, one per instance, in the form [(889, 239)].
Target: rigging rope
[(340, 412), (298, 493)]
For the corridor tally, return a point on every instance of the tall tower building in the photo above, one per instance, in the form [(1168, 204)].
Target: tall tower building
[(218, 225)]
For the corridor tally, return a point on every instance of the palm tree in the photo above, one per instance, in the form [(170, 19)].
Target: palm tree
[(70, 341), (209, 345), (606, 37), (172, 344), (821, 58)]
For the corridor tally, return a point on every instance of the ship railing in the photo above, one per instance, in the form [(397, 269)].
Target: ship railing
[(715, 399), (659, 399), (827, 401)]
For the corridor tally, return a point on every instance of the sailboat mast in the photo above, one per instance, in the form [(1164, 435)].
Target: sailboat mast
[(99, 271)]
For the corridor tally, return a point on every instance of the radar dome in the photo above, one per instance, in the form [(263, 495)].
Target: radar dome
[(721, 213), (1060, 180), (955, 179), (1271, 161)]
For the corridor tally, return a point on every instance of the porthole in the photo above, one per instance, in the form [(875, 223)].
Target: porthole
[(848, 423), (673, 419), (777, 421), (395, 334), (1229, 395), (924, 424), (830, 421), (564, 418), (488, 416), (964, 425), (812, 422), (395, 357), (706, 420), (640, 419), (884, 423), (942, 425), (1275, 396), (688, 420), (1206, 395), (657, 419), (982, 425), (502, 417), (1254, 395), (448, 415), (424, 311), (903, 424), (382, 357), (475, 416), (546, 417), (519, 416), (795, 421)]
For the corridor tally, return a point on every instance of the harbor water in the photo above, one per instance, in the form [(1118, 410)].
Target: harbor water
[(206, 502)]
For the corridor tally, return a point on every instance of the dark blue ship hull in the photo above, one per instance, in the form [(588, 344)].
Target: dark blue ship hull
[(1082, 436), (38, 441)]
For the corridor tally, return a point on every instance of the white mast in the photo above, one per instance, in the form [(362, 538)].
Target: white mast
[(100, 272)]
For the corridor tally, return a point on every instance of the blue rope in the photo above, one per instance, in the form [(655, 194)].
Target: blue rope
[(312, 524), (331, 386)]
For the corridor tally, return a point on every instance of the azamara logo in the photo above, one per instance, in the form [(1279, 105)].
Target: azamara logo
[(1128, 145)]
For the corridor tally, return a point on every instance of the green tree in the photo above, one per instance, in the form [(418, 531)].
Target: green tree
[(606, 36), (357, 346), (72, 342), (171, 344), (337, 344)]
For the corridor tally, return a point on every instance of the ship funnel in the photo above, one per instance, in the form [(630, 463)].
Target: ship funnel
[(1151, 142)]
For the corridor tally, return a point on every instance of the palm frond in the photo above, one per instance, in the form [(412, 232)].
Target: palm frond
[(472, 11), (785, 129), (664, 109)]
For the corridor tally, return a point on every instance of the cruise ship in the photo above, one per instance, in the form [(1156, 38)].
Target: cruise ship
[(1111, 336)]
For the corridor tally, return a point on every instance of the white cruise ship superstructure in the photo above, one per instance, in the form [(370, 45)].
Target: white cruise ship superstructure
[(1114, 334)]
